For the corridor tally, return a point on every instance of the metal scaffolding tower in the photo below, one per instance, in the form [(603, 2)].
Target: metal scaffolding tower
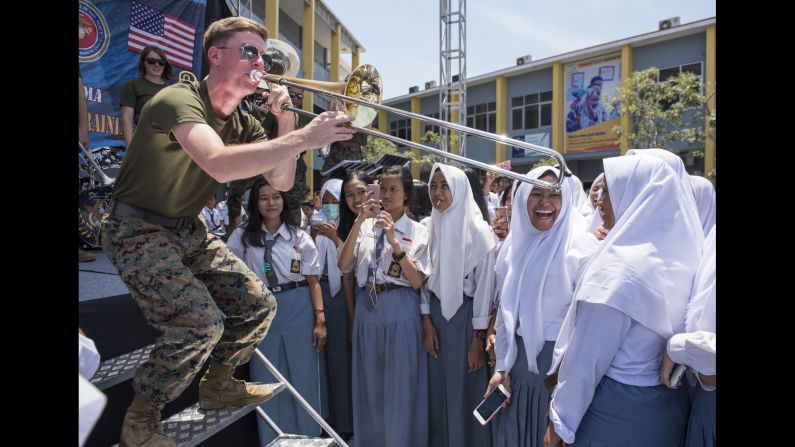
[(452, 71)]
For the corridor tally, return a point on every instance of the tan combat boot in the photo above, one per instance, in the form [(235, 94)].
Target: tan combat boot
[(218, 389), (141, 427)]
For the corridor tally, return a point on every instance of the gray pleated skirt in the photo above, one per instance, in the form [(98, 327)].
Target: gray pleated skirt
[(288, 346), (524, 421), (455, 392), (338, 361), (389, 371), (634, 416), (701, 423)]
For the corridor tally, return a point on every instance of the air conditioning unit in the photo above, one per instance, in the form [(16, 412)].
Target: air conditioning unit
[(456, 77), (669, 23), (414, 89), (430, 84), (524, 60)]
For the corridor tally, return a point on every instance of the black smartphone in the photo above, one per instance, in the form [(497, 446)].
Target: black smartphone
[(489, 407)]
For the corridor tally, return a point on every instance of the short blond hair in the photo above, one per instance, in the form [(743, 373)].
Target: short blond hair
[(221, 30)]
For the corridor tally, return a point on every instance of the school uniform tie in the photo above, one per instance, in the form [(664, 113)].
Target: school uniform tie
[(267, 267), (379, 245)]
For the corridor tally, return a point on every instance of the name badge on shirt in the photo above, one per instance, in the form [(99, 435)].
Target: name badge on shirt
[(295, 266), (394, 270)]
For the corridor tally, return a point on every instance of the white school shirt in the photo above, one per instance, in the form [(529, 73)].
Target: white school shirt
[(211, 218), (411, 235), (627, 352), (223, 212), (289, 247), (91, 401), (482, 275)]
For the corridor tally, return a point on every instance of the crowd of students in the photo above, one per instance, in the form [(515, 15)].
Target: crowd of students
[(398, 314)]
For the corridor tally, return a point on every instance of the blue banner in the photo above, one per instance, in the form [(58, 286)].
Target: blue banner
[(109, 49)]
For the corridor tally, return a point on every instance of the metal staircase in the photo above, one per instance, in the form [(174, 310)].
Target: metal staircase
[(192, 425)]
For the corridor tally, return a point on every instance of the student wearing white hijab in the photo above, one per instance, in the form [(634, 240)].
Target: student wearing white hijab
[(676, 163), (455, 311), (696, 348), (705, 201), (629, 300), (539, 261), (338, 354), (595, 219)]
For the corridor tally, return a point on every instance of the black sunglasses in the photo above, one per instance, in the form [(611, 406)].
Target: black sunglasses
[(152, 61), (296, 95), (250, 53)]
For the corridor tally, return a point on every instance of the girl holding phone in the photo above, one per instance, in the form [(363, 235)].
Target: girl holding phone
[(390, 377)]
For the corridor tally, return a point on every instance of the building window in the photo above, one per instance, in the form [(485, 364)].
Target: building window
[(666, 73), (430, 127), (531, 111), (400, 129), (483, 116)]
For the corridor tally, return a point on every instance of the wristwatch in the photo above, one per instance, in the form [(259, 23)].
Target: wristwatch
[(398, 258)]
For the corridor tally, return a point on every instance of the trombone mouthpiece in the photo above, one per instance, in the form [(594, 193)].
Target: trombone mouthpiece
[(256, 74)]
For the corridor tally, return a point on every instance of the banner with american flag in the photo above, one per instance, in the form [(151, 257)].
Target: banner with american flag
[(112, 34), (150, 26)]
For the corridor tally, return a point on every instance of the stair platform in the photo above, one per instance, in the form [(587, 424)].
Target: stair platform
[(118, 369)]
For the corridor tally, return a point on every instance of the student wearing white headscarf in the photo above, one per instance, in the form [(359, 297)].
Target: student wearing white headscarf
[(676, 163), (338, 355), (629, 300), (705, 201), (539, 261), (696, 348), (595, 219), (455, 313)]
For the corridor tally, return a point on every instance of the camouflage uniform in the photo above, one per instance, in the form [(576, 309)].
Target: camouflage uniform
[(344, 150), (188, 284)]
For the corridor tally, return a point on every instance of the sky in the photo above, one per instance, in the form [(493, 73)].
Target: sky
[(401, 37)]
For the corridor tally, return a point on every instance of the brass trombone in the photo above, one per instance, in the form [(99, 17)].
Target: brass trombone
[(361, 95)]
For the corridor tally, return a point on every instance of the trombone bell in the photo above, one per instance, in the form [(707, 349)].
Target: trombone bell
[(364, 84)]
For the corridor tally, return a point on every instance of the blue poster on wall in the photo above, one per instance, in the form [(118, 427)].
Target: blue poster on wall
[(112, 34)]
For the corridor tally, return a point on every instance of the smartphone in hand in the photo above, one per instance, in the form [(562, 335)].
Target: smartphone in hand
[(489, 407), (374, 192)]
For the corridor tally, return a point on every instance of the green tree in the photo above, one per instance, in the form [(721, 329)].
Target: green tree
[(664, 113), (376, 147)]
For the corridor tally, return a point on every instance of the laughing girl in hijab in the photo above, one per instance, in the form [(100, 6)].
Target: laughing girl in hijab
[(456, 315), (629, 300), (539, 261)]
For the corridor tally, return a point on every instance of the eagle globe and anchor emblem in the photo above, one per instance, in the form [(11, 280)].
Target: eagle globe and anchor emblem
[(93, 32)]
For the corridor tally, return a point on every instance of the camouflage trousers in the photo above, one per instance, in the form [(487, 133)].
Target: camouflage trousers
[(204, 300)]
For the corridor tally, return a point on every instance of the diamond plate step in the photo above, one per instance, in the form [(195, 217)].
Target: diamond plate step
[(301, 441), (193, 425), (118, 369)]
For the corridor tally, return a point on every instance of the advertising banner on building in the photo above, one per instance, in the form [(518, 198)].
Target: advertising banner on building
[(112, 34), (590, 86)]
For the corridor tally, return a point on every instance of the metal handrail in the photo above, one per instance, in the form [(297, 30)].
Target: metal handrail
[(317, 417)]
